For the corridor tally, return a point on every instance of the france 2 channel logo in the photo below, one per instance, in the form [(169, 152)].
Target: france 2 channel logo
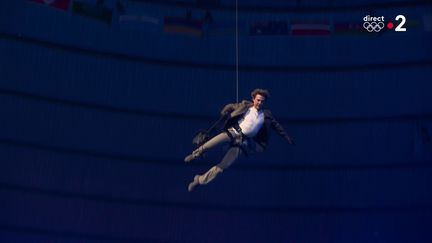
[(376, 24)]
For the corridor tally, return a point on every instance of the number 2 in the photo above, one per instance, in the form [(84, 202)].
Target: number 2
[(399, 27)]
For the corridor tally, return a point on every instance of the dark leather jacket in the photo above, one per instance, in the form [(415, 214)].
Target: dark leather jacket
[(235, 112)]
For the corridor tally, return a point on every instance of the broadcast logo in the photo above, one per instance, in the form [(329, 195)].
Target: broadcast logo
[(376, 24)]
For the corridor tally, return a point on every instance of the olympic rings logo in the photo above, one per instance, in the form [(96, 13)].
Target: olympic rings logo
[(373, 26)]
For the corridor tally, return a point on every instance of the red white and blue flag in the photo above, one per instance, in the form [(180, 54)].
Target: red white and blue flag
[(60, 4), (301, 28), (183, 25)]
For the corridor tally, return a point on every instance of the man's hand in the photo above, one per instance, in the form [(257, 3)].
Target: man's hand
[(225, 114), (228, 109)]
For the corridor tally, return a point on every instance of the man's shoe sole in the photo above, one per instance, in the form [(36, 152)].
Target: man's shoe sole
[(193, 184)]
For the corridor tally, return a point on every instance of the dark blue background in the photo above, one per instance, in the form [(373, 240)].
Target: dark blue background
[(95, 121)]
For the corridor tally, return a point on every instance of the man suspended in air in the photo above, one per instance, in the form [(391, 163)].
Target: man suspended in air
[(246, 129)]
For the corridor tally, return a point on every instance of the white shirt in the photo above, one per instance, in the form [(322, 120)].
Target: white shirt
[(251, 122)]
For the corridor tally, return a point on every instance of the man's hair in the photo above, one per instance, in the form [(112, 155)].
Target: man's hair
[(262, 92)]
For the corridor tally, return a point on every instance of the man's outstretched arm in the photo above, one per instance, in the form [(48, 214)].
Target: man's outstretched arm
[(279, 129)]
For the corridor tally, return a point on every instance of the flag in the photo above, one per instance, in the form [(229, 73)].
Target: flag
[(310, 28), (92, 11), (60, 4), (141, 22), (350, 29), (427, 22), (225, 28), (183, 25), (412, 23), (220, 29), (269, 28)]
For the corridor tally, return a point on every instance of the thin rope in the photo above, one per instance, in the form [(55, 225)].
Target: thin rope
[(237, 56)]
